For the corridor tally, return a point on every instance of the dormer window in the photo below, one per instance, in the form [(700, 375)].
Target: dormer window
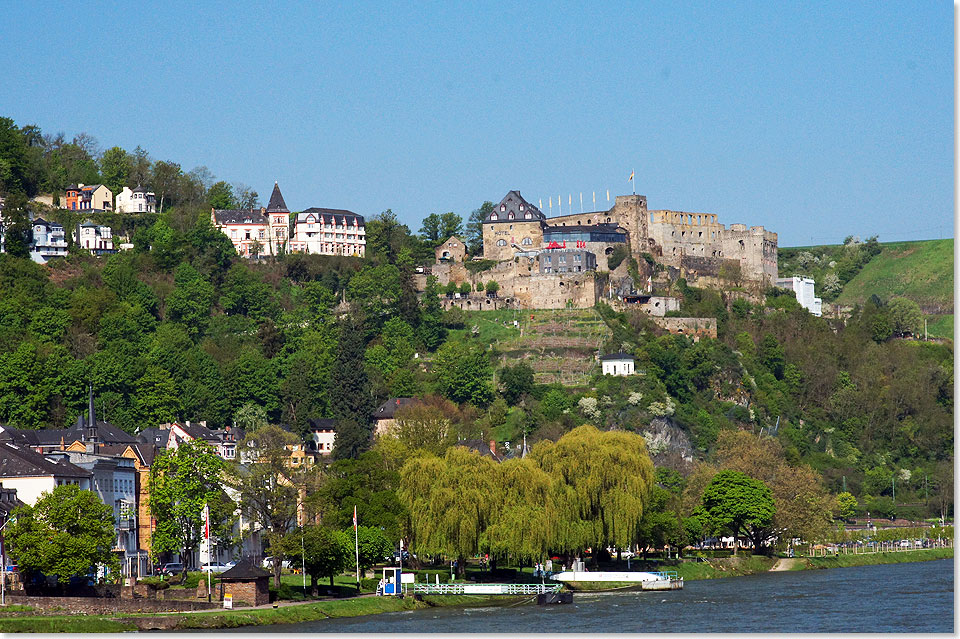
[(510, 216), (502, 208), (527, 216), (521, 207), (493, 216)]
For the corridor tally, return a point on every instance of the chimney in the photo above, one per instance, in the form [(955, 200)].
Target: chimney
[(493, 446)]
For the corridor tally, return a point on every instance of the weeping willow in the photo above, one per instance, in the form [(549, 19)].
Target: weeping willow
[(450, 500), (602, 483), (589, 489)]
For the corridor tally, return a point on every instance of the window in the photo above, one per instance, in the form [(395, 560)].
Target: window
[(502, 208), (521, 207), (546, 259), (527, 241), (510, 215), (493, 216), (501, 242), (261, 234), (527, 216)]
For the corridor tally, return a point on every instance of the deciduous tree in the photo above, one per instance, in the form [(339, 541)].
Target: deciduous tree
[(735, 503), (181, 483), (66, 533)]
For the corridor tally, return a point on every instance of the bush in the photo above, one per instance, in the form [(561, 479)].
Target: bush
[(479, 266), (619, 254), (369, 584)]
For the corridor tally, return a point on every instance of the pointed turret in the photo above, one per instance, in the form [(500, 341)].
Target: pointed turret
[(276, 200), (91, 430)]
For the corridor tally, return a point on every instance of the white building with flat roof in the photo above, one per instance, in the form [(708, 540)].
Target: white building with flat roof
[(802, 287)]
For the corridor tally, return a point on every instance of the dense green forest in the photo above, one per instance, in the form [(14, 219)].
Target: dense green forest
[(182, 328)]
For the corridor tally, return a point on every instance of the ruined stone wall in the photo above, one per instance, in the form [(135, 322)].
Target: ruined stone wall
[(695, 327), (577, 290), (756, 249)]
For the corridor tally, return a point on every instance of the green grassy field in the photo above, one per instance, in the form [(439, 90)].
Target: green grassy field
[(921, 271), (559, 345)]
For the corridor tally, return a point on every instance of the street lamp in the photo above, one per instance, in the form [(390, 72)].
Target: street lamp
[(3, 561)]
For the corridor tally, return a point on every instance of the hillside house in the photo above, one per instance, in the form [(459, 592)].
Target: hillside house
[(617, 364), (137, 200), (89, 197), (320, 231), (255, 233)]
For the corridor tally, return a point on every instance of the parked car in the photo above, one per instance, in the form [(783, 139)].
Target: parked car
[(268, 563), (169, 570), (214, 567)]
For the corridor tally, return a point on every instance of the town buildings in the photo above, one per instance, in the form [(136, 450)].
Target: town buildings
[(256, 233), (89, 197), (137, 200), (320, 231)]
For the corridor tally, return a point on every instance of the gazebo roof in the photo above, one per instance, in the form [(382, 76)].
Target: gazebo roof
[(245, 570)]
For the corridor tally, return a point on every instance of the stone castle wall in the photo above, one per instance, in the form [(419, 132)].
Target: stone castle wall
[(695, 327)]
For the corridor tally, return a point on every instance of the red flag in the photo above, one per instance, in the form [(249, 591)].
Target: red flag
[(354, 517), (206, 521)]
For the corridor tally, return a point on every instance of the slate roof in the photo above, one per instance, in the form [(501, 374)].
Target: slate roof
[(276, 204), (338, 216), (616, 356), (244, 570), (16, 461), (198, 431), (8, 501), (238, 216), (389, 408), (154, 436), (511, 204), (479, 446), (323, 424)]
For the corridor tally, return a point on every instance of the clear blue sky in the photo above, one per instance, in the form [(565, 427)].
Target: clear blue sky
[(816, 120)]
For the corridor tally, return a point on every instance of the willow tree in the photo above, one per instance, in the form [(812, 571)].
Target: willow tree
[(450, 499), (601, 485), (526, 516)]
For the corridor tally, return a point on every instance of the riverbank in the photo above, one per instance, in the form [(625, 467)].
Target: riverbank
[(285, 613), (290, 613), (743, 565)]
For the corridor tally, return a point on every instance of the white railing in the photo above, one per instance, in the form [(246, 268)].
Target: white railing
[(484, 589)]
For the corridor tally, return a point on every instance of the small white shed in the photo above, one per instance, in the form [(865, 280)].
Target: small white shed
[(617, 364)]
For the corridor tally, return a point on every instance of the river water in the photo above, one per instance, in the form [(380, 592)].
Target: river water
[(912, 598)]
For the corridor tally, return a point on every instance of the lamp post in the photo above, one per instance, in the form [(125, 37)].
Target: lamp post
[(3, 565)]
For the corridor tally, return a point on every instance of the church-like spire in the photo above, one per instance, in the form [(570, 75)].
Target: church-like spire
[(276, 200)]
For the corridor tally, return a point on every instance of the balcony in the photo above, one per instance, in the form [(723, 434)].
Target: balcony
[(127, 523)]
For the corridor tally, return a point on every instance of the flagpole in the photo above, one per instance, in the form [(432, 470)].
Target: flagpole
[(356, 539), (206, 529), (634, 180)]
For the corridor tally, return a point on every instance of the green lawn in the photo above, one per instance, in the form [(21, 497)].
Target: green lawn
[(940, 325), (921, 271)]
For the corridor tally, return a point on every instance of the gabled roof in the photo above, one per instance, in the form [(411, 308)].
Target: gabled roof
[(238, 216), (337, 216), (154, 436), (276, 204), (16, 461), (323, 424), (616, 356), (511, 203), (245, 569), (198, 431), (389, 408)]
